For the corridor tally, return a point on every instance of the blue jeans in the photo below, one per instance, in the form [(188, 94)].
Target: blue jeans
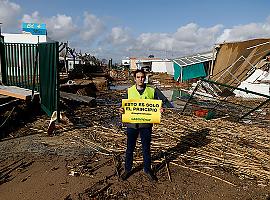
[(132, 135)]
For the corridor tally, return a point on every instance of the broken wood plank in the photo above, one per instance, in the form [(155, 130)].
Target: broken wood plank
[(10, 103), (164, 99), (17, 92), (167, 167), (100, 190), (79, 98)]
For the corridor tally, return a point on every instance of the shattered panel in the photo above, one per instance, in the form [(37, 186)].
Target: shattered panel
[(236, 61), (214, 100)]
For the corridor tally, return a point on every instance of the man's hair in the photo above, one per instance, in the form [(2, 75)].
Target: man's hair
[(139, 71)]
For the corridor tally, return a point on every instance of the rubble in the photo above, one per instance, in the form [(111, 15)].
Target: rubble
[(189, 142), (192, 141)]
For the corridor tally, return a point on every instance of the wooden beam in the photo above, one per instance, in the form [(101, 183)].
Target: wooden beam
[(17, 92), (79, 98)]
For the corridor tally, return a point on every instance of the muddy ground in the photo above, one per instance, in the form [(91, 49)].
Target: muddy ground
[(37, 166)]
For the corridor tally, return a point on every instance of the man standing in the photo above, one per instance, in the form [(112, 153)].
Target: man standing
[(139, 91)]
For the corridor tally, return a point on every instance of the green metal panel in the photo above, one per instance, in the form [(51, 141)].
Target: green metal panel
[(48, 62), (193, 71), (177, 71), (19, 62), (32, 65), (189, 72)]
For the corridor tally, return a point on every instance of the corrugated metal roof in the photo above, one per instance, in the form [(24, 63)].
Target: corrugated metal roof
[(191, 60)]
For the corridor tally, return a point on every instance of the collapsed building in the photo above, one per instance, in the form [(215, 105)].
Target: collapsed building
[(237, 84), (243, 64)]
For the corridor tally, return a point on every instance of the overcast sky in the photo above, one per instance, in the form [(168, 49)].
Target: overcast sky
[(129, 28)]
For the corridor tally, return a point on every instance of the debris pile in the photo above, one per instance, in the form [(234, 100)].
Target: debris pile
[(166, 80), (220, 100), (119, 75), (101, 83), (188, 141)]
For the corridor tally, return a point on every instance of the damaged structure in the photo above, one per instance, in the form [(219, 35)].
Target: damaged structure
[(192, 67), (237, 86), (244, 65)]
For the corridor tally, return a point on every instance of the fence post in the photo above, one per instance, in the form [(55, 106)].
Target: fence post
[(57, 81), (3, 69)]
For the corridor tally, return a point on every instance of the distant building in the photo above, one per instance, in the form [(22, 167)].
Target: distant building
[(126, 62), (32, 33), (150, 64), (163, 66), (70, 62), (26, 38)]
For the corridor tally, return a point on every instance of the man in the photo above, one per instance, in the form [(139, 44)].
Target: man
[(139, 91)]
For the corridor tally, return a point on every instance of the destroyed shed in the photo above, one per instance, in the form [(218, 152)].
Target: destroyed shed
[(243, 64), (237, 87), (190, 67)]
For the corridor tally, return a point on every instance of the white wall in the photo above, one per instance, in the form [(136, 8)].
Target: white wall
[(169, 68), (255, 87), (71, 64), (126, 62), (24, 38), (252, 83), (258, 75), (162, 66)]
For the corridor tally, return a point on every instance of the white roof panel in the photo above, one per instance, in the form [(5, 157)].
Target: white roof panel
[(195, 59)]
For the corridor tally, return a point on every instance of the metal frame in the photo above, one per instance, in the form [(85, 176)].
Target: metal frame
[(218, 103)]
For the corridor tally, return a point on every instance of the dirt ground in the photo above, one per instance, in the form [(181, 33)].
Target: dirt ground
[(37, 166), (48, 177)]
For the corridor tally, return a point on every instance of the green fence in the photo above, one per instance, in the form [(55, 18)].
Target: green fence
[(20, 61), (32, 66), (48, 62)]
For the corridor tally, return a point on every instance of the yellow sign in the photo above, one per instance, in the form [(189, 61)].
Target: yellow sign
[(141, 111)]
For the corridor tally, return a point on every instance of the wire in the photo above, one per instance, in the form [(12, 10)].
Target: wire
[(7, 117)]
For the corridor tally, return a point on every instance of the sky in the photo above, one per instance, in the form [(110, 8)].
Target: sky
[(138, 28)]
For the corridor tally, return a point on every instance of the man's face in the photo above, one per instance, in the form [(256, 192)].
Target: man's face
[(139, 79)]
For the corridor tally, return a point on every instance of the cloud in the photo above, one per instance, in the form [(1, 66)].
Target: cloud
[(9, 13), (33, 18), (119, 36), (187, 39), (89, 31), (194, 34), (60, 27), (93, 27), (246, 32)]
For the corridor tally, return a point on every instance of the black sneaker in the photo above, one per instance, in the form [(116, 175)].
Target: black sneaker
[(152, 177), (125, 175)]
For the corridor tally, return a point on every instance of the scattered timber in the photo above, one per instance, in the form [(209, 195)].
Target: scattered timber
[(79, 98), (187, 140), (17, 92)]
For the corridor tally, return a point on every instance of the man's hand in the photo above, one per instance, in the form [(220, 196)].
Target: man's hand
[(162, 110), (122, 110)]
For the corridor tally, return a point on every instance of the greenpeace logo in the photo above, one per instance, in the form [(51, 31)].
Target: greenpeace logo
[(140, 119)]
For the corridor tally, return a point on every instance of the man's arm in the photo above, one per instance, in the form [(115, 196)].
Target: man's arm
[(159, 95), (121, 109)]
